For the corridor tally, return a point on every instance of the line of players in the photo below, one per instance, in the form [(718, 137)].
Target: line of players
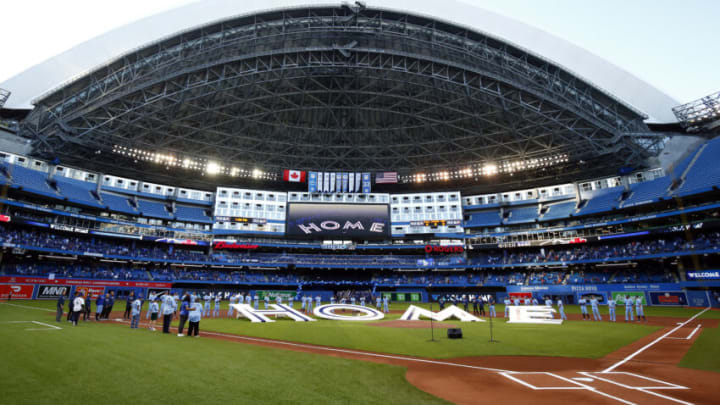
[(594, 303), (381, 303), (479, 302)]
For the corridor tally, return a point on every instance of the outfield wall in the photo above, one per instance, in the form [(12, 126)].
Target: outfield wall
[(657, 294)]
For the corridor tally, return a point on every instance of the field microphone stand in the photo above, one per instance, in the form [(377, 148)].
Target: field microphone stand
[(491, 331), (432, 330)]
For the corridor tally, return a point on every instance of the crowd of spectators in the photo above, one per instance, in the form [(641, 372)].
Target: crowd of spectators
[(487, 278), (630, 249), (132, 249)]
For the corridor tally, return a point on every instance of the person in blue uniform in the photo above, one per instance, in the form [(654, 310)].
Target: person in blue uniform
[(99, 306), (60, 305), (184, 312)]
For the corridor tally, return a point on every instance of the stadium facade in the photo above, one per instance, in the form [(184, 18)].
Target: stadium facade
[(413, 149)]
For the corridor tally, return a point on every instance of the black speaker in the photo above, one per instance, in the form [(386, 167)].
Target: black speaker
[(454, 333)]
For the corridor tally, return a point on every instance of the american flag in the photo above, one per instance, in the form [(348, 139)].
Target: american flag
[(386, 178)]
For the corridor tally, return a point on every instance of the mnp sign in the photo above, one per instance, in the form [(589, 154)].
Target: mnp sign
[(50, 292)]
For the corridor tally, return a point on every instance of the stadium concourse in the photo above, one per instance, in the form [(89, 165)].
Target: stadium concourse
[(324, 179)]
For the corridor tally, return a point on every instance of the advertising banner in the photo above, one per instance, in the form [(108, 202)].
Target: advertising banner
[(53, 292), (274, 293), (703, 275), (320, 221), (672, 298), (401, 297), (93, 291), (520, 295), (19, 291), (72, 281), (590, 295), (619, 296)]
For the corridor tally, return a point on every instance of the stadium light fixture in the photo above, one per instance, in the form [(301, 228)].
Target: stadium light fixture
[(213, 168)]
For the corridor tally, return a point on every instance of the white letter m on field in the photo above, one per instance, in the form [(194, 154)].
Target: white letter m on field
[(414, 313)]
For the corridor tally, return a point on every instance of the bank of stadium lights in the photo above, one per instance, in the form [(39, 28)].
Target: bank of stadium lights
[(487, 169), (699, 114), (204, 166)]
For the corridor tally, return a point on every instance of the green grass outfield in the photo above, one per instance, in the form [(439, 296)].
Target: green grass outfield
[(109, 363)]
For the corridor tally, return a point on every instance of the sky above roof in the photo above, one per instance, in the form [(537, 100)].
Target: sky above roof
[(668, 43)]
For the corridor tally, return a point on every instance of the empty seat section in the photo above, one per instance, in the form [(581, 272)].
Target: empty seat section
[(558, 211), (78, 191), (602, 200), (704, 173), (191, 214), (648, 191), (522, 215), (118, 203), (32, 181), (153, 209), (484, 218)]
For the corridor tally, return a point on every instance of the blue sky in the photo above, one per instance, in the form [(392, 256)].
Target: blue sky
[(671, 44)]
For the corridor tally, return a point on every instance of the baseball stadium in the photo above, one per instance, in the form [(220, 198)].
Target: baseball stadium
[(317, 202)]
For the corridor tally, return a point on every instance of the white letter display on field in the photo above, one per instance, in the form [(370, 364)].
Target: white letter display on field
[(261, 315), (533, 314), (414, 313), (327, 311)]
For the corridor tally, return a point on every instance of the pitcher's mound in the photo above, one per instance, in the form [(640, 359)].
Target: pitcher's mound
[(413, 324)]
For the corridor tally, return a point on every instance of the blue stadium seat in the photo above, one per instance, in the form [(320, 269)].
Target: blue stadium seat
[(484, 218), (153, 209), (705, 172), (191, 214), (78, 191), (558, 211), (602, 200), (648, 192), (118, 203), (522, 215), (32, 181)]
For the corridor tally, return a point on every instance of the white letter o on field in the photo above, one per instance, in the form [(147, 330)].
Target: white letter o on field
[(327, 311)]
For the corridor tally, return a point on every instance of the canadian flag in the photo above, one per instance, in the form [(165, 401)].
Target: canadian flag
[(295, 176)]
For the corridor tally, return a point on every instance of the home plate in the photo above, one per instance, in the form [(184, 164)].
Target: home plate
[(583, 379)]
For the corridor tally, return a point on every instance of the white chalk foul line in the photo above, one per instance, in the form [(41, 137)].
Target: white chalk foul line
[(642, 349), (645, 390), (28, 307), (358, 353), (49, 327)]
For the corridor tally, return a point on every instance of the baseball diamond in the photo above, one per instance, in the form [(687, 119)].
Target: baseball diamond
[(363, 202)]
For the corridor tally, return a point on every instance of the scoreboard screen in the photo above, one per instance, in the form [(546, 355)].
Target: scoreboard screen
[(324, 221), (435, 223)]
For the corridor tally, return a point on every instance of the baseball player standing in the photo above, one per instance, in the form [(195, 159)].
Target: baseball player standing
[(507, 303), (583, 308), (216, 311), (561, 310), (595, 309), (639, 309), (611, 309), (629, 308)]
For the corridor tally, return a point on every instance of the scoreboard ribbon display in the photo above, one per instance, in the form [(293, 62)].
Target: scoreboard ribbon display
[(320, 221)]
